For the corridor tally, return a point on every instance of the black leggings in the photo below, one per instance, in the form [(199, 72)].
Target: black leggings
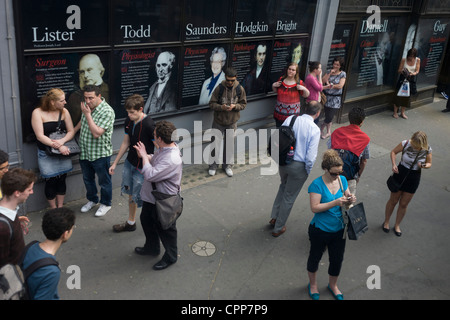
[(320, 240), (55, 186)]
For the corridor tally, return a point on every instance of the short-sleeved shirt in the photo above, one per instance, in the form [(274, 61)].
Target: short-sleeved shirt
[(330, 220), (409, 155), (43, 283), (334, 96), (95, 148), (140, 131)]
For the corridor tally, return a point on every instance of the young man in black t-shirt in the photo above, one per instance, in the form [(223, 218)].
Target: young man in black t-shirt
[(138, 127)]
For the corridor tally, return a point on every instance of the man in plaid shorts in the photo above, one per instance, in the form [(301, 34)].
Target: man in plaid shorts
[(96, 128)]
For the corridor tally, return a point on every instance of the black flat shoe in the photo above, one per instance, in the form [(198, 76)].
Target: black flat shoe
[(161, 265), (398, 234), (143, 252), (384, 229)]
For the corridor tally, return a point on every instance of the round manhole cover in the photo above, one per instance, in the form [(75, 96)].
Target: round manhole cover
[(203, 248)]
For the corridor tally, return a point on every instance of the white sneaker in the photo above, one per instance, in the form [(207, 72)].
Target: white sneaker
[(229, 172), (88, 206), (212, 172), (102, 210)]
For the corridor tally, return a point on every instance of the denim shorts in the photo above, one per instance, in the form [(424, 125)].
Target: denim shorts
[(53, 166), (132, 180)]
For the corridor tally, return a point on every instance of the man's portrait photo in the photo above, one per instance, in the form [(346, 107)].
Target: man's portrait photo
[(162, 94), (256, 80), (90, 72)]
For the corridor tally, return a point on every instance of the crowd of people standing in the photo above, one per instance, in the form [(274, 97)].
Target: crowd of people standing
[(153, 163)]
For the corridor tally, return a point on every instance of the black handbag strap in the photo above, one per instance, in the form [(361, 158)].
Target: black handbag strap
[(412, 165), (344, 212), (58, 126), (154, 187)]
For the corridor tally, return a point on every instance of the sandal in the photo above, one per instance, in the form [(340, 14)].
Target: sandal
[(395, 116)]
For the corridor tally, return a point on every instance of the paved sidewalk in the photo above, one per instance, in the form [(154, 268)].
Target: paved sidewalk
[(226, 251)]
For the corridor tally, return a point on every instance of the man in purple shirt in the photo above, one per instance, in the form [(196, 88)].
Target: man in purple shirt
[(164, 170)]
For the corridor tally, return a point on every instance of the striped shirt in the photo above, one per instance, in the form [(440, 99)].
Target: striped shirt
[(95, 148)]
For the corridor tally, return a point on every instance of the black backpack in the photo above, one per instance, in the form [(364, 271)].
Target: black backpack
[(13, 285), (285, 142), (351, 163)]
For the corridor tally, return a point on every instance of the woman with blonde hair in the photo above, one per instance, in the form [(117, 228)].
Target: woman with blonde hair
[(416, 155), (44, 121), (327, 194)]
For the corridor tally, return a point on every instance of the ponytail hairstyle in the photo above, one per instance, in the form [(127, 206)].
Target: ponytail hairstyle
[(52, 95), (313, 65)]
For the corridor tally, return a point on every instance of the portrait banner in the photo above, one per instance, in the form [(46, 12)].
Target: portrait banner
[(203, 71), (251, 61)]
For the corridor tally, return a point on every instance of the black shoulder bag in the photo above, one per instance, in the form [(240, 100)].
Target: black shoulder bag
[(59, 134)]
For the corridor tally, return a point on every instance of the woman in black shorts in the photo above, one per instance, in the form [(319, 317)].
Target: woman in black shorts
[(416, 147)]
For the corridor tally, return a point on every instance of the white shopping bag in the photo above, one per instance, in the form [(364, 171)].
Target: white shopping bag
[(404, 89)]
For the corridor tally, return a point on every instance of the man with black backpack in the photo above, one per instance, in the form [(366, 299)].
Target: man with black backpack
[(227, 100), (353, 147), (294, 174)]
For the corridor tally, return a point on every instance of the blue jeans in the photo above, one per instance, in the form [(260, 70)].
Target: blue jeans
[(132, 180), (101, 168)]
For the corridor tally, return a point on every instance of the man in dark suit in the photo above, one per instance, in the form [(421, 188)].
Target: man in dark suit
[(162, 94), (255, 81)]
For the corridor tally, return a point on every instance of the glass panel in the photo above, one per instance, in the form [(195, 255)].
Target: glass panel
[(377, 55), (253, 18), (251, 61), (62, 24), (294, 16), (151, 73), (207, 19), (146, 21), (203, 71), (430, 43), (286, 51)]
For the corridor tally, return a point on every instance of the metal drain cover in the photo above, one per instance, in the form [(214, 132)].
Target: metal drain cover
[(203, 248)]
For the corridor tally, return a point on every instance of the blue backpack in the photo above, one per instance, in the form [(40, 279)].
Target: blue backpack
[(351, 163)]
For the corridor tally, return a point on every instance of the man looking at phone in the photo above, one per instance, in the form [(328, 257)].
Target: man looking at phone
[(227, 100), (96, 128)]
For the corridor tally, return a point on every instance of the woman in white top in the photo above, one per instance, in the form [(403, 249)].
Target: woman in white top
[(416, 155), (408, 70)]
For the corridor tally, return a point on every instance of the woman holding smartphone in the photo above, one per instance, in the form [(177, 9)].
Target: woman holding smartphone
[(416, 155), (327, 194)]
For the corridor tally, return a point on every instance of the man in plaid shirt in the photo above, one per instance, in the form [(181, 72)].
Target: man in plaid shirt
[(96, 128)]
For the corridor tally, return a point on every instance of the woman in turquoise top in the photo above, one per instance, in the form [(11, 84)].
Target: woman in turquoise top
[(327, 227)]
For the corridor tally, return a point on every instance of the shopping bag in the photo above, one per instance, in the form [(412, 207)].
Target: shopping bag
[(357, 222), (404, 90)]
